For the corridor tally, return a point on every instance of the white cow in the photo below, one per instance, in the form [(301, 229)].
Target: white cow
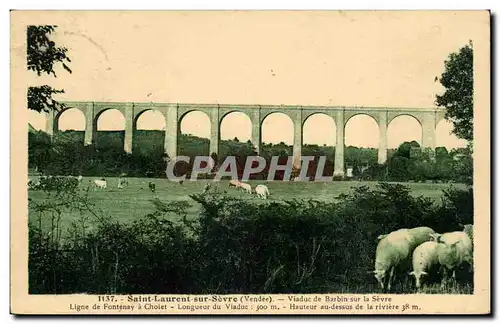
[(101, 184), (246, 187), (262, 191)]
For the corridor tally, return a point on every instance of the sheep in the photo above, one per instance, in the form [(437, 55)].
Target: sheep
[(420, 235), (101, 184), (234, 183), (262, 191), (469, 229), (394, 251), (246, 187), (424, 259), (454, 249)]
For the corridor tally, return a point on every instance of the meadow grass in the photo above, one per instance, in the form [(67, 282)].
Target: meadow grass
[(134, 201)]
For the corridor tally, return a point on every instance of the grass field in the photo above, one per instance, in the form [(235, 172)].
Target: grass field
[(133, 201)]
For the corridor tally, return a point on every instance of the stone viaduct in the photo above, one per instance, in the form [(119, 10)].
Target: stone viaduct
[(174, 112)]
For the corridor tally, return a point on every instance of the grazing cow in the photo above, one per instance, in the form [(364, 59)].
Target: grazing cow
[(234, 183), (246, 187), (425, 258), (454, 249), (152, 186), (101, 184), (262, 191), (394, 251)]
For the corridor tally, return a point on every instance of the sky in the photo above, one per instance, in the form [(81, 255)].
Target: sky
[(385, 59)]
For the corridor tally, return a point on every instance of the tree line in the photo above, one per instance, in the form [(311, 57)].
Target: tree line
[(65, 154)]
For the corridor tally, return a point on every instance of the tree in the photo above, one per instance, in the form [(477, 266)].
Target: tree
[(457, 99), (42, 55)]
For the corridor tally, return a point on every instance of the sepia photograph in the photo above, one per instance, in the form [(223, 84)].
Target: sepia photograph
[(250, 162)]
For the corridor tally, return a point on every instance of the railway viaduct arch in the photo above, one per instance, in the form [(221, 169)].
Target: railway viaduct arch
[(174, 112)]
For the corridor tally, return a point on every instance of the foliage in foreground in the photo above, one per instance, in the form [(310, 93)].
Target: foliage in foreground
[(234, 246), (42, 55)]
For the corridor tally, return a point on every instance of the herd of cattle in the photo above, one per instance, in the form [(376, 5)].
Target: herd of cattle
[(424, 250)]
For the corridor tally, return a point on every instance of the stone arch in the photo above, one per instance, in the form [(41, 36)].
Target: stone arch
[(194, 124), (244, 122), (445, 137), (197, 123), (348, 114), (416, 116), (109, 126), (160, 121), (289, 128), (264, 113), (400, 131), (360, 140), (148, 137), (328, 132), (243, 111), (73, 113), (116, 123)]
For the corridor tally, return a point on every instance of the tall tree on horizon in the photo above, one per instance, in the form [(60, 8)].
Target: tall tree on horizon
[(457, 79)]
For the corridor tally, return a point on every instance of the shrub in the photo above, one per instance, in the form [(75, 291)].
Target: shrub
[(235, 246)]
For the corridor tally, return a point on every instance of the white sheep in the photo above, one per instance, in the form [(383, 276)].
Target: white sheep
[(420, 235), (246, 187), (100, 184), (454, 249), (394, 251), (469, 229), (425, 258), (262, 191)]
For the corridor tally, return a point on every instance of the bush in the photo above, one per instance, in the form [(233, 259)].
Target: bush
[(236, 246)]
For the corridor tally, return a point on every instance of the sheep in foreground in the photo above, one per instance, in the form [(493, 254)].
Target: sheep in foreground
[(394, 251), (424, 259), (454, 249), (469, 229)]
